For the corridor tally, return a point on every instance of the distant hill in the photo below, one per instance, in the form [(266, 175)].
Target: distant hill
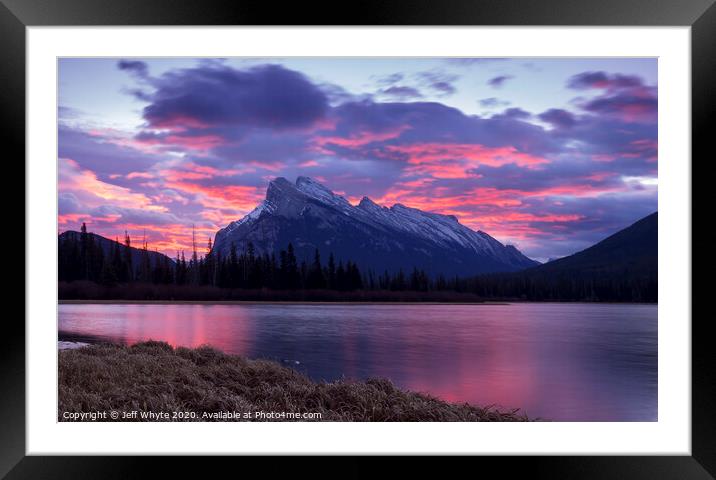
[(621, 268), (108, 245), (632, 252)]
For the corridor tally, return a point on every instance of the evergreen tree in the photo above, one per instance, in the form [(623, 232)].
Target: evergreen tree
[(316, 278), (128, 257), (84, 257), (109, 275), (210, 265), (331, 272), (118, 264), (340, 282), (289, 269), (145, 266), (355, 281)]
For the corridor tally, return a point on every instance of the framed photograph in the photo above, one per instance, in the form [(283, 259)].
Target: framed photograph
[(462, 229)]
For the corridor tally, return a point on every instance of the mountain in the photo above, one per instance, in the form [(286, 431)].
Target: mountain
[(631, 252), (621, 268), (310, 216), (107, 245)]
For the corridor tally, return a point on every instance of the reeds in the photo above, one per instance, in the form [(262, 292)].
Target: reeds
[(154, 377)]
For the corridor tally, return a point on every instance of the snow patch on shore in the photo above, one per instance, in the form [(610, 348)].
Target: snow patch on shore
[(65, 345)]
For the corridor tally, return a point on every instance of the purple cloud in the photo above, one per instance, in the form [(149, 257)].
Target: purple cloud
[(623, 96), (492, 102), (67, 113), (558, 118), (435, 122), (634, 106), (136, 68), (401, 92), (438, 81), (603, 80), (101, 152), (499, 81), (266, 96), (215, 135), (516, 113), (67, 202), (393, 78), (444, 88)]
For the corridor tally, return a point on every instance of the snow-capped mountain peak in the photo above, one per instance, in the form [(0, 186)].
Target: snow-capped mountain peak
[(319, 192), (254, 214), (367, 203), (311, 216)]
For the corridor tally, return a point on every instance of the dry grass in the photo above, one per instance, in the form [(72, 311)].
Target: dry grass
[(154, 377)]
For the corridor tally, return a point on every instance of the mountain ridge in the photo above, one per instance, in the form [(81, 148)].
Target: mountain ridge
[(622, 267), (311, 216), (107, 245), (631, 250)]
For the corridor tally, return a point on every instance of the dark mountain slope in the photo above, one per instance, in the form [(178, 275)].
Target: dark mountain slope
[(621, 268), (108, 246), (632, 252)]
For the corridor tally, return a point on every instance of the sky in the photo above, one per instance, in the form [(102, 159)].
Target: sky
[(548, 154)]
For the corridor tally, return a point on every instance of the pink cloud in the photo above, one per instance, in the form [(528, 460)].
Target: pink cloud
[(472, 155), (360, 139), (94, 192)]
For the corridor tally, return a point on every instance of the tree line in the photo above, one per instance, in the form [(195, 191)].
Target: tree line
[(82, 258)]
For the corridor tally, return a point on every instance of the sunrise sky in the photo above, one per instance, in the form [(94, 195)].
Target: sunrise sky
[(550, 155)]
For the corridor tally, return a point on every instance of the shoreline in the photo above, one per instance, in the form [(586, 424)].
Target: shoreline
[(149, 381), (324, 302), (264, 302)]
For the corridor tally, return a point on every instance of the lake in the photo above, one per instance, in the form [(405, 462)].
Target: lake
[(562, 362)]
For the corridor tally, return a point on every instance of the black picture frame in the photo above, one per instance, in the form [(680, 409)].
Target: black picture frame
[(700, 15)]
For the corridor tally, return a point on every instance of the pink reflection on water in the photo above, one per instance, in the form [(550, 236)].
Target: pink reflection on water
[(558, 361), (178, 325)]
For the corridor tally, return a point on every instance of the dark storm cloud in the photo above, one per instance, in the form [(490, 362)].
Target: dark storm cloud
[(265, 96)]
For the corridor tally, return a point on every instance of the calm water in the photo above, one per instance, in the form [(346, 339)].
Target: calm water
[(576, 362)]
